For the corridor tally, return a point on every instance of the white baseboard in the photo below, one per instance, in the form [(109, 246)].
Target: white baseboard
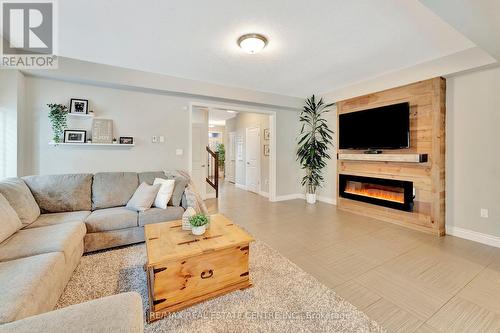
[(264, 194), (289, 197), (473, 236), (243, 187), (294, 196)]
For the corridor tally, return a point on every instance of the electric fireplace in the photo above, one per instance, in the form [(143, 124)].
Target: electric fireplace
[(390, 193)]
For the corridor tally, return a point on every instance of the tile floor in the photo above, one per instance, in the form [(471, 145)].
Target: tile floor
[(406, 280)]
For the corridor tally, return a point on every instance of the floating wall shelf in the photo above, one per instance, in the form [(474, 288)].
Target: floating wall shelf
[(76, 115), (111, 145)]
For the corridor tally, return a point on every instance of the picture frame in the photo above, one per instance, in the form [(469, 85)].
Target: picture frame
[(267, 134), (75, 136), (79, 106), (126, 140), (266, 150), (102, 131)]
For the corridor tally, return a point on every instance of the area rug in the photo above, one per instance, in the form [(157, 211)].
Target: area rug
[(283, 298)]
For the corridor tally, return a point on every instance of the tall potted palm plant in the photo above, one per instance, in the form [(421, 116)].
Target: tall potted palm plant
[(314, 140)]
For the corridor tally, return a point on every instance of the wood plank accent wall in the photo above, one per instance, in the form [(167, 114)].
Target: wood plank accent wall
[(427, 136)]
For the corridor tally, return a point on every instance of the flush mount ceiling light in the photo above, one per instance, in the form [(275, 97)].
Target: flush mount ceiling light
[(252, 43)]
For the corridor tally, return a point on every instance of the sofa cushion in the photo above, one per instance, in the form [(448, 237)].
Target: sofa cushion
[(156, 215), (20, 198), (59, 218), (150, 176), (113, 189), (111, 219), (9, 221), (108, 239), (120, 313), (55, 238), (61, 193), (30, 285), (143, 197)]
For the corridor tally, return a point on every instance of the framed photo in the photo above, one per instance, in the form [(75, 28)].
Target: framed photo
[(266, 134), (75, 136), (126, 140), (102, 131), (79, 106), (266, 150)]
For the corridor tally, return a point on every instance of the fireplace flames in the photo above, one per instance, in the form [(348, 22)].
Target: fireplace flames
[(389, 193)]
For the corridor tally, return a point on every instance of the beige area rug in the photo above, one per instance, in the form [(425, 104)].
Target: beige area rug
[(283, 298)]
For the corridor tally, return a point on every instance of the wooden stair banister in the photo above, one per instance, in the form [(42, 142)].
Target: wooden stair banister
[(213, 170)]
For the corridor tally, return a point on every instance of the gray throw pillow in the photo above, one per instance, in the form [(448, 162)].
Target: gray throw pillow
[(180, 186), (21, 199), (9, 221), (143, 197)]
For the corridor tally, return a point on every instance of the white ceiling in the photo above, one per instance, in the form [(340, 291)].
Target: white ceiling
[(314, 46), (218, 117)]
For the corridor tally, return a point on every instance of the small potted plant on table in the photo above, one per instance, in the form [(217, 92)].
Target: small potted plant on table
[(198, 224)]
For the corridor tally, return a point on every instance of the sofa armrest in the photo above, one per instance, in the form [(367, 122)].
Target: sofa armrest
[(117, 313)]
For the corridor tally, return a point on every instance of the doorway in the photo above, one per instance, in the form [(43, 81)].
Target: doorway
[(252, 164), (257, 147)]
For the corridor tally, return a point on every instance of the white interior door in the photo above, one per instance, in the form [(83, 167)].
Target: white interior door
[(199, 154), (252, 161), (231, 157)]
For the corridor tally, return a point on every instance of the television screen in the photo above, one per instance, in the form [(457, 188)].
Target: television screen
[(386, 127)]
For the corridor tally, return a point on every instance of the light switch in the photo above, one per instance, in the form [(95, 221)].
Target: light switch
[(162, 138), (154, 139), (179, 152)]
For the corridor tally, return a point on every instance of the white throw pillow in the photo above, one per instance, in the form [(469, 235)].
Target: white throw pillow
[(165, 192), (143, 197)]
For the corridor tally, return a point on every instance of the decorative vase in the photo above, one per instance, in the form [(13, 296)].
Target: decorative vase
[(311, 198), (198, 231), (190, 211)]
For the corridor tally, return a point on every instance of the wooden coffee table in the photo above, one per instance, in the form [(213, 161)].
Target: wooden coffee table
[(183, 269)]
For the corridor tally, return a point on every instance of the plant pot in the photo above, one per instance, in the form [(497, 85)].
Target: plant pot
[(198, 231), (311, 198)]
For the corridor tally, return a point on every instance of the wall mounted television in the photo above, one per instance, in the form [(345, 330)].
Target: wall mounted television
[(386, 127)]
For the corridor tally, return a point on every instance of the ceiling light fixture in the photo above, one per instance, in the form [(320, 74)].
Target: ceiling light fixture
[(252, 43), (230, 111)]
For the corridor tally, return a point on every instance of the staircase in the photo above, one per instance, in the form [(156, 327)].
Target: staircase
[(213, 170)]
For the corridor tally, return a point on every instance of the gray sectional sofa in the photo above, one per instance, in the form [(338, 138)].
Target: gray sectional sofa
[(61, 217)]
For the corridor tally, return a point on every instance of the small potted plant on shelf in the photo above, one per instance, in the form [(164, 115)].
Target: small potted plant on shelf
[(57, 117), (198, 224)]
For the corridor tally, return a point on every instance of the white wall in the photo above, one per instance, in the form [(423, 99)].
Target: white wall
[(9, 122), (140, 114), (136, 114), (472, 152)]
